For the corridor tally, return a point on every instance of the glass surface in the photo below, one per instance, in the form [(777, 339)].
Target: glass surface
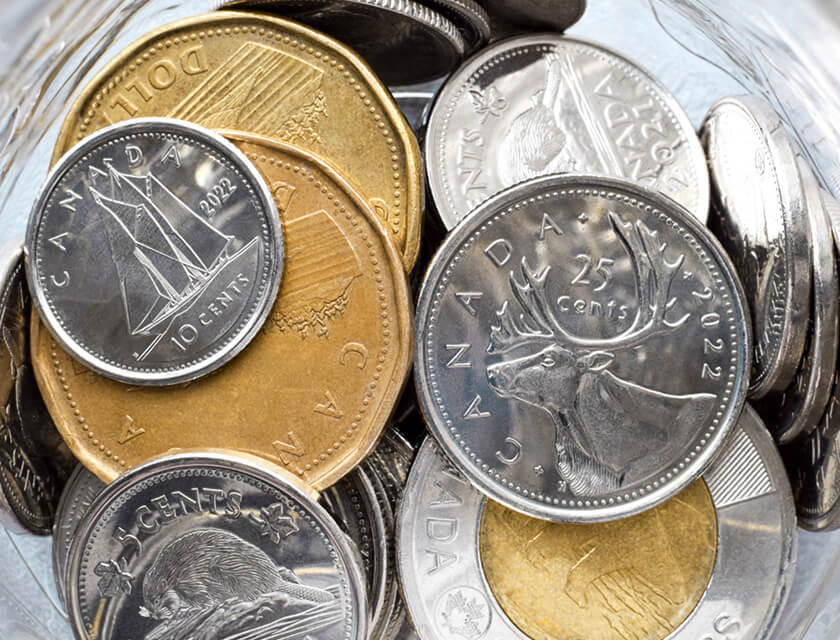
[(785, 50)]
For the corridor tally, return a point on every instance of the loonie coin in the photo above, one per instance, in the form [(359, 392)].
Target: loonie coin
[(716, 561), (212, 545), (30, 479), (759, 215), (367, 519), (798, 408), (331, 360), (582, 348), (154, 253), (271, 77), (542, 104), (402, 40), (550, 15), (78, 495)]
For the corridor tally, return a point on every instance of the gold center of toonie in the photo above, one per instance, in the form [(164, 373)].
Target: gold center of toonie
[(638, 578)]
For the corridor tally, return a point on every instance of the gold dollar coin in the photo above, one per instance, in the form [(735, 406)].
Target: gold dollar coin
[(269, 77), (312, 392)]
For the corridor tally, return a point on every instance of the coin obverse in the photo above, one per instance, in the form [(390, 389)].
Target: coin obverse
[(332, 358), (716, 559), (543, 104), (198, 544), (275, 78), (581, 348), (154, 253), (759, 214)]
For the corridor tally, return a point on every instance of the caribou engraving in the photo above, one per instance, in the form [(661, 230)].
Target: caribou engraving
[(605, 426)]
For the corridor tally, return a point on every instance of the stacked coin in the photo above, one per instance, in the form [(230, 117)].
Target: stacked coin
[(222, 334)]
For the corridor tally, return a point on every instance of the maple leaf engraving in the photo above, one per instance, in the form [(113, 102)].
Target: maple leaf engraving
[(464, 616), (274, 523), (488, 103), (113, 578)]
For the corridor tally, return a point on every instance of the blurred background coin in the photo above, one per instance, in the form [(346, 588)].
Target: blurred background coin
[(582, 348), (759, 214), (212, 545), (541, 104), (155, 252), (536, 15), (468, 16), (719, 556)]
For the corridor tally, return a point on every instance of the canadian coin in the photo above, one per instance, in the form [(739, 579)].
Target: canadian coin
[(29, 483), (759, 215), (390, 462), (468, 16), (415, 106), (357, 509), (554, 15), (78, 495), (402, 40), (155, 252), (271, 77), (210, 545), (798, 408), (332, 358), (542, 104), (716, 560), (587, 388)]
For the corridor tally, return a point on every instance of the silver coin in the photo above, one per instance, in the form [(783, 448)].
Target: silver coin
[(211, 546), (543, 104), (553, 15), (759, 215), (402, 40), (798, 408), (468, 16), (367, 519), (155, 251), (29, 483), (78, 495), (390, 462), (749, 573), (581, 388)]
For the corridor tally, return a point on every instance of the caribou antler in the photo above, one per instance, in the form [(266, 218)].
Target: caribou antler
[(653, 274)]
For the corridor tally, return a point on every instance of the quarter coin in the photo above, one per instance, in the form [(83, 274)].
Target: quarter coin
[(798, 409), (154, 252), (716, 560), (212, 545), (760, 216), (543, 104), (582, 348), (551, 15), (272, 77), (332, 358)]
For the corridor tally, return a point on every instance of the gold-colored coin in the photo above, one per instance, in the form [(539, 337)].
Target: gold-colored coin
[(312, 392), (269, 77), (635, 578)]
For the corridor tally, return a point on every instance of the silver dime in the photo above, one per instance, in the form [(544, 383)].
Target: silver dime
[(366, 517), (155, 251), (798, 408), (402, 40), (212, 546), (582, 348), (554, 15), (542, 104), (78, 495), (759, 215), (445, 585)]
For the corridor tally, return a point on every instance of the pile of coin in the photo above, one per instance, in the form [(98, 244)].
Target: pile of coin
[(210, 331)]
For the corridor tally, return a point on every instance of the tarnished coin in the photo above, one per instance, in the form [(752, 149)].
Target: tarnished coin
[(30, 481), (582, 348), (369, 522), (332, 359), (543, 104), (760, 216), (716, 560), (155, 252), (271, 77), (78, 495), (212, 546), (552, 15), (798, 408)]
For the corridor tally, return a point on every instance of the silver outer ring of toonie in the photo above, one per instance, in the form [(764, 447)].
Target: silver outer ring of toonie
[(750, 581), (187, 275), (536, 432)]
